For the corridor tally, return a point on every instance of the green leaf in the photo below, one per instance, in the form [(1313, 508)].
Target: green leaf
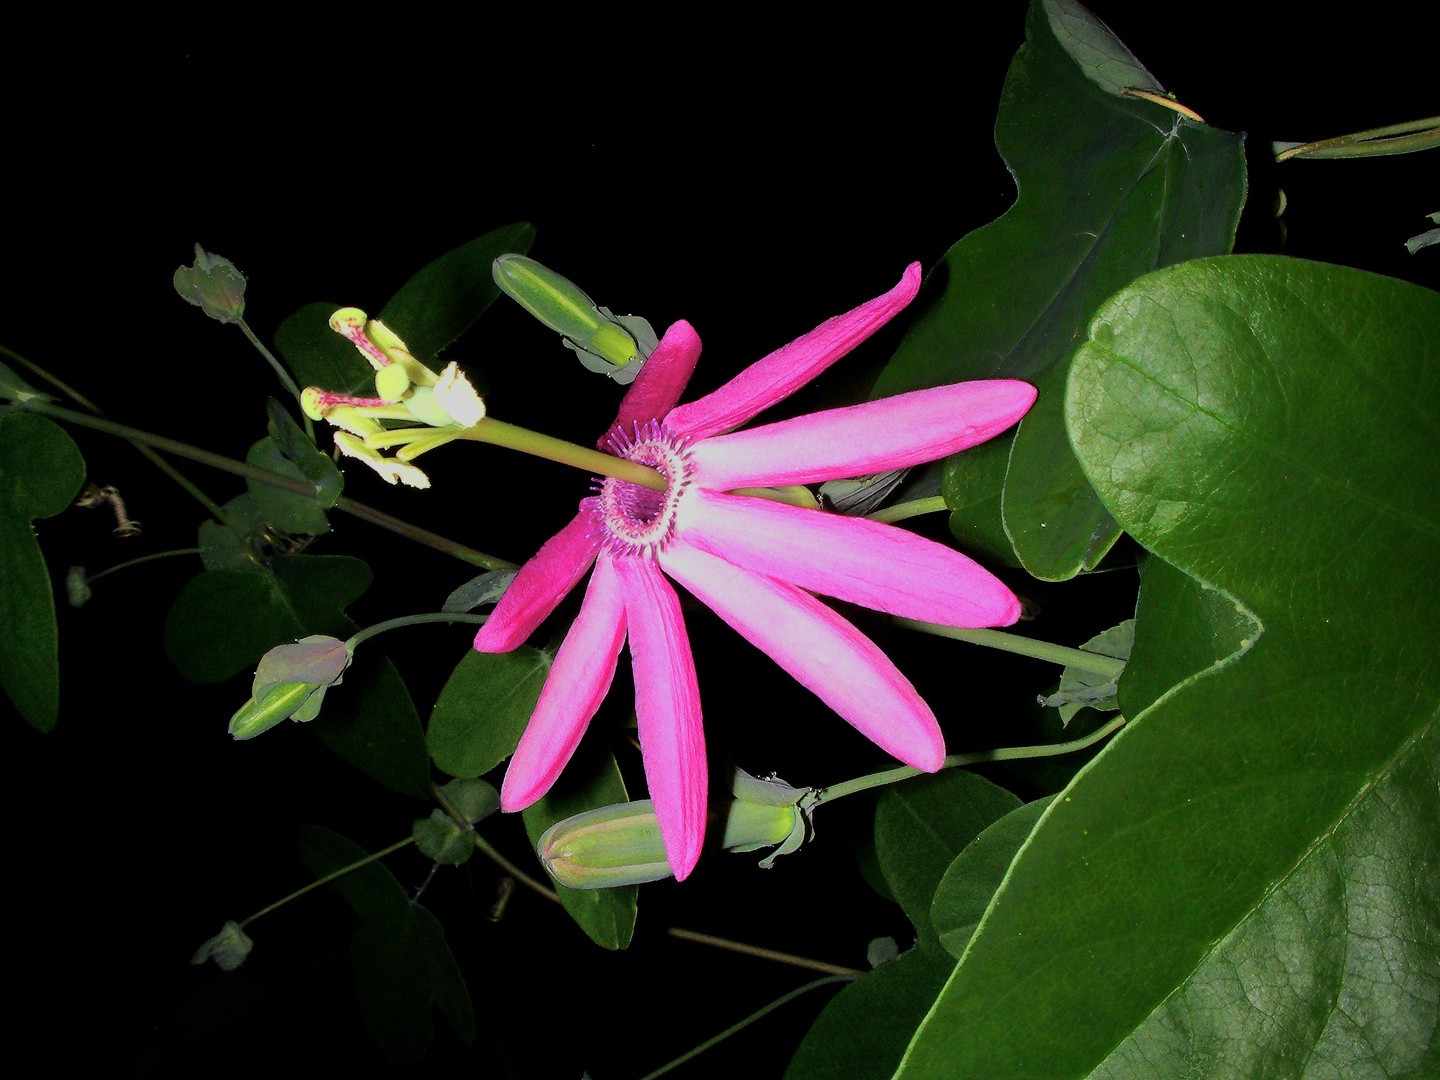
[(1082, 688), (223, 621), (1247, 874), (284, 510), (401, 961), (1095, 48), (233, 547), (1109, 188), (370, 721), (862, 1032), (973, 878), (921, 825), (41, 471), (590, 780), (483, 709), (297, 447), (443, 298), (318, 356), (439, 836)]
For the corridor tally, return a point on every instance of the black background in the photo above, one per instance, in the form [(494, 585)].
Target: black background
[(752, 176)]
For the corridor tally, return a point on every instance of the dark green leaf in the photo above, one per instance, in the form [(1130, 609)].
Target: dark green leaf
[(401, 961), (972, 482), (442, 300), (318, 356), (972, 879), (590, 780), (1247, 875), (370, 721), (233, 547), (1109, 188), (921, 825), (284, 510), (223, 621), (297, 447), (1099, 53), (862, 1033), (41, 471), (483, 709)]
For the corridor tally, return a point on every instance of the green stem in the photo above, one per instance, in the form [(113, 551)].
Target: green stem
[(1012, 753), (327, 879), (758, 1014), (413, 620), (900, 511), (763, 954), (285, 483), (1106, 666), (1404, 138), (92, 578), (499, 433), (284, 376), (514, 871), (155, 459)]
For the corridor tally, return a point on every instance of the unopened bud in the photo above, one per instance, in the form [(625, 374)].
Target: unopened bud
[(603, 341), (212, 284), (229, 948), (290, 684)]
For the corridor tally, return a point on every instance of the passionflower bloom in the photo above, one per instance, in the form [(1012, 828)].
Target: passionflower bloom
[(754, 561)]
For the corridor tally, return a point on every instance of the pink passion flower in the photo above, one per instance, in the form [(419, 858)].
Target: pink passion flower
[(754, 561)]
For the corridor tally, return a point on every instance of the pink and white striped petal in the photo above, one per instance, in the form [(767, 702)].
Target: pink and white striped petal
[(785, 370), (579, 680), (542, 583), (888, 434), (854, 559), (823, 651), (660, 383), (667, 708)]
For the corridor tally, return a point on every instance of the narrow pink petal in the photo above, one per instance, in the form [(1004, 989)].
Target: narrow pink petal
[(823, 651), (667, 707), (887, 434), (579, 680), (854, 559), (784, 371), (661, 381), (541, 584)]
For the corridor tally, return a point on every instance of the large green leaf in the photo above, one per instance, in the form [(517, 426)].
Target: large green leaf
[(1109, 188), (1245, 881), (862, 1032), (590, 780), (40, 473), (401, 961), (443, 298), (484, 708), (921, 826)]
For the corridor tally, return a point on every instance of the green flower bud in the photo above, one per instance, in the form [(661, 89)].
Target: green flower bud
[(290, 684), (77, 586), (214, 285), (621, 845), (603, 341), (229, 948)]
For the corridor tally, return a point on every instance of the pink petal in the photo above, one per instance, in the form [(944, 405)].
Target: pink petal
[(824, 652), (661, 381), (784, 371), (667, 706), (854, 559), (579, 680), (541, 584), (879, 435)]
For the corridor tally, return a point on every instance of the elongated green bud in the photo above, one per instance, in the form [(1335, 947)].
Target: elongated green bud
[(604, 342), (621, 845), (290, 683)]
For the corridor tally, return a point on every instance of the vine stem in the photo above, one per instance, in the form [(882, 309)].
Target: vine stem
[(264, 476), (91, 578), (758, 1014), (763, 954), (327, 879), (499, 433), (1010, 753), (414, 620), (914, 508), (1106, 666)]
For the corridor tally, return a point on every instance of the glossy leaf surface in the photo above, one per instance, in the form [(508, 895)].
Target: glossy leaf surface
[(483, 709), (1109, 188), (1247, 874)]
